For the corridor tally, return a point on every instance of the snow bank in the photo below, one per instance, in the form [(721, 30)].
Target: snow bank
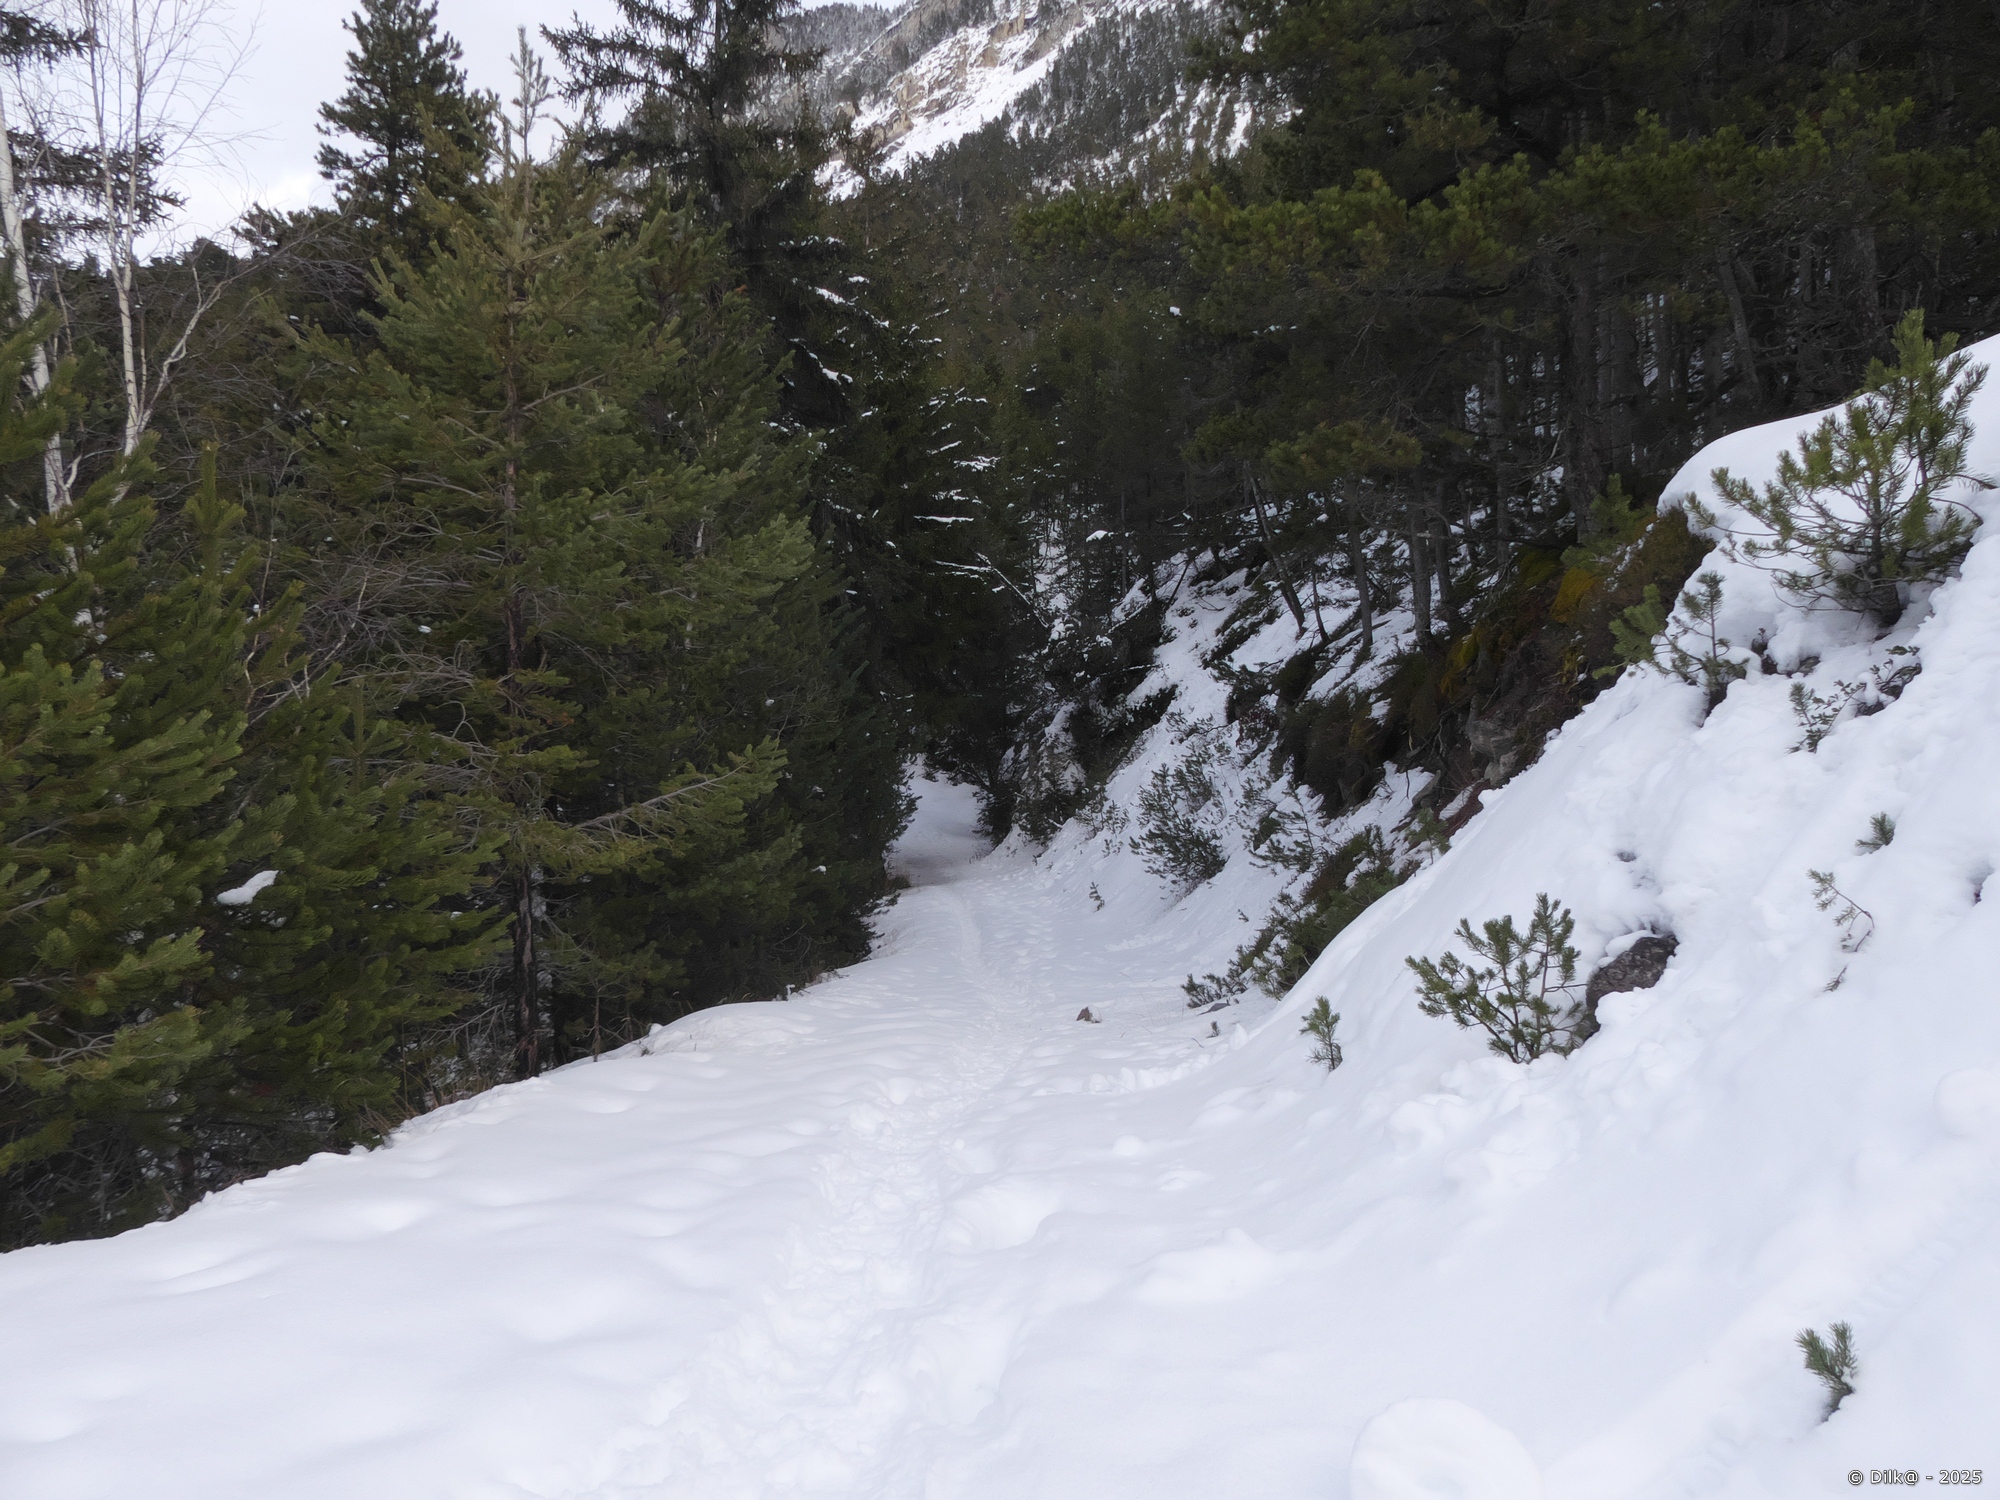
[(922, 1233)]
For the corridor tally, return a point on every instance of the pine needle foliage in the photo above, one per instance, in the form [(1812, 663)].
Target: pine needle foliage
[(1881, 834), (1685, 646), (411, 126), (1855, 921), (112, 745), (621, 575), (1520, 999), (1859, 514), (1832, 1361), (1319, 1024)]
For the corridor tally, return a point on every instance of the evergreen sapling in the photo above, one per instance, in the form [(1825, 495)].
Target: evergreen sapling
[(1686, 646), (1832, 1362), (1521, 1000), (1319, 1024), (1859, 514)]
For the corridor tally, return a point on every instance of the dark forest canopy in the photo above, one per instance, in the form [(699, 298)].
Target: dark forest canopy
[(504, 622)]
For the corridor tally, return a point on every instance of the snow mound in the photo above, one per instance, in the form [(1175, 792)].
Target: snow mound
[(1440, 1450)]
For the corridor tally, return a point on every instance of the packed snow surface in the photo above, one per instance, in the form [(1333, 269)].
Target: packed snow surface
[(922, 1232)]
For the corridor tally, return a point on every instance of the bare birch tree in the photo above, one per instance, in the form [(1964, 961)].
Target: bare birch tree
[(137, 98), (30, 41), (156, 71)]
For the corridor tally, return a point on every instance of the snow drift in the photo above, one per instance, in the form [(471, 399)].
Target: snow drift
[(922, 1232)]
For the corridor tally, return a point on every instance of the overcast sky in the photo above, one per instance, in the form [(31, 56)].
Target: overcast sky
[(297, 61)]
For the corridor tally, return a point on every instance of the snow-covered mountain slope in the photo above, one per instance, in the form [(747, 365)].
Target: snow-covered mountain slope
[(1100, 84), (922, 1232)]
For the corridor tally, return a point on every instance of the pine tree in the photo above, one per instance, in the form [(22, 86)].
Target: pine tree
[(110, 747), (420, 130), (702, 83), (602, 536), (348, 921), (1832, 1361), (1860, 513), (1521, 1002)]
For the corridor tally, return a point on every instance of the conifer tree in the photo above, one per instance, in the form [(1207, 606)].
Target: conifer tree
[(702, 85), (418, 129), (1861, 513), (348, 920), (109, 748), (604, 536)]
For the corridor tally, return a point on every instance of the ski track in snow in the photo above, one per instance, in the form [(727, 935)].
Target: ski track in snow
[(920, 1234)]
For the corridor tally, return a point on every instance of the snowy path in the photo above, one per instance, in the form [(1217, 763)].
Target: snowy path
[(744, 1265), (920, 1234)]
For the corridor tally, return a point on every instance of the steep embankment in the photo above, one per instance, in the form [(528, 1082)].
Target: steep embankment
[(922, 1232)]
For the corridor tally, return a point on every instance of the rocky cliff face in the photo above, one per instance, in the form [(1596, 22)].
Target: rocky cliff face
[(1099, 86)]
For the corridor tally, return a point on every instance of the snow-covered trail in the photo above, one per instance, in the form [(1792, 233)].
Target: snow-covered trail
[(921, 1234), (732, 1262)]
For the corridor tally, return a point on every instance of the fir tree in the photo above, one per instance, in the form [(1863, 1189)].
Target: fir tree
[(353, 920), (419, 130), (603, 545), (702, 84), (110, 749)]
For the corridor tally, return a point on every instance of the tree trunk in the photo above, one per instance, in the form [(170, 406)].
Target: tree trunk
[(1420, 578), (1271, 550), (55, 480), (1357, 562), (527, 979), (1441, 555), (1739, 323)]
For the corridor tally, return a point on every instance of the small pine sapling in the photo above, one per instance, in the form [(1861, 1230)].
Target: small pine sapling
[(1858, 514), (1817, 713), (1834, 1363), (1881, 834), (1686, 646), (1181, 813), (1855, 921), (1319, 1024), (1521, 1001), (1215, 989)]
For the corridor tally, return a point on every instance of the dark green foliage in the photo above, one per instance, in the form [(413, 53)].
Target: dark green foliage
[(162, 742), (1685, 646), (1816, 713), (1832, 1362), (1181, 814), (698, 85), (1881, 834), (103, 776), (609, 578), (1855, 921), (1522, 1001), (1354, 877), (119, 737), (1858, 515), (418, 130), (1319, 1024)]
